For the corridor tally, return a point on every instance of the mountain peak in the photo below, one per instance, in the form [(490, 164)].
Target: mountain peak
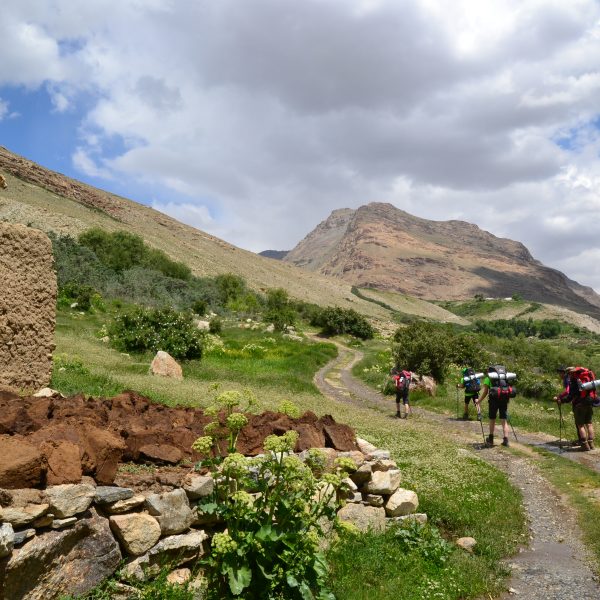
[(378, 245)]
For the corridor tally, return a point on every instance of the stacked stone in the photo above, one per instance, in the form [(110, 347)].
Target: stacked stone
[(375, 498), (76, 535), (72, 536)]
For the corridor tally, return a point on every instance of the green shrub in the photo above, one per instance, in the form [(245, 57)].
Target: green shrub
[(85, 296), (279, 310), (335, 320), (430, 348), (215, 326), (199, 307), (274, 509), (165, 329), (121, 250)]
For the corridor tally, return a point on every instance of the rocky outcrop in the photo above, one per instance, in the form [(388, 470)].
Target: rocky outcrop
[(383, 247), (27, 307)]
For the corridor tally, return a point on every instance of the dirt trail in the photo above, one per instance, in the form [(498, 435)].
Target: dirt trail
[(556, 564)]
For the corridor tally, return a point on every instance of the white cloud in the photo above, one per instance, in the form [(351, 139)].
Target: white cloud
[(280, 112)]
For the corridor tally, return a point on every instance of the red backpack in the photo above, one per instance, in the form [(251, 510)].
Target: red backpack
[(402, 380), (579, 376)]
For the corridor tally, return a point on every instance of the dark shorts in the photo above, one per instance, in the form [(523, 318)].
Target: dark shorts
[(498, 406), (583, 414), (402, 396), (469, 398)]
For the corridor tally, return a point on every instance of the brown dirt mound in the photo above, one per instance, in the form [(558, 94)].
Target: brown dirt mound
[(49, 441)]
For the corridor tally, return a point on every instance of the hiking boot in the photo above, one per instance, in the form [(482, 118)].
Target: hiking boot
[(585, 447), (398, 415), (591, 443), (466, 417), (489, 440), (505, 442)]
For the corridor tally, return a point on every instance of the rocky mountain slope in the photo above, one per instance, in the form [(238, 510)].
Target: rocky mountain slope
[(50, 201), (380, 246)]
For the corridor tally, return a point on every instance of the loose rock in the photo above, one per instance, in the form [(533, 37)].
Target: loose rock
[(138, 532)]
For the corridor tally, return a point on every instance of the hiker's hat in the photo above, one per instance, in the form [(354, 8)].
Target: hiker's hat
[(561, 369)]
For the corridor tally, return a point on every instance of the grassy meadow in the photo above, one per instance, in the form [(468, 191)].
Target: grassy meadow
[(461, 494)]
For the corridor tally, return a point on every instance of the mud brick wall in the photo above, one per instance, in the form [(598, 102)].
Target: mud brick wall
[(27, 307)]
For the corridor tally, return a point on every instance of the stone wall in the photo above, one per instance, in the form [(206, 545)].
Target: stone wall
[(27, 307), (67, 538)]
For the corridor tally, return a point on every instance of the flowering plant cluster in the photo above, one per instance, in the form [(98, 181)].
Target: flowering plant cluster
[(275, 508)]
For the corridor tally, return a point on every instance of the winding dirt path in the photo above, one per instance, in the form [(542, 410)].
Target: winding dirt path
[(555, 566)]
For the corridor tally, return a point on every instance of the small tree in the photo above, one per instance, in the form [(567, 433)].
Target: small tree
[(279, 310), (424, 348)]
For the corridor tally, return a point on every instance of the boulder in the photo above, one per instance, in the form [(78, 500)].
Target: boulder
[(174, 550), (420, 518), (22, 536), (383, 464), (402, 502), (123, 506), (362, 474), (172, 511), (198, 486), (466, 543), (424, 383), (63, 523), (138, 532), (373, 499), (70, 499), (25, 496), (107, 494), (179, 576), (364, 446), (22, 465), (364, 518), (7, 539), (21, 516), (61, 563), (165, 365), (47, 392), (383, 482)]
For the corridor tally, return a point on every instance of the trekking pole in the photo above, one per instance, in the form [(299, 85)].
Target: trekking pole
[(457, 404), (560, 426), (480, 419), (511, 426)]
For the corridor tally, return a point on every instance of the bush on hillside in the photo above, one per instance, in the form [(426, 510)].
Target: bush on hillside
[(121, 250), (85, 297), (279, 310), (165, 329), (334, 320), (509, 328), (430, 348)]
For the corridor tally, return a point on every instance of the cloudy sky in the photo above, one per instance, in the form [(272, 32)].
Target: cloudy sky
[(253, 119)]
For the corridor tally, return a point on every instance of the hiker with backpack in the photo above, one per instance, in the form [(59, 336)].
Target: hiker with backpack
[(581, 392), (471, 383), (496, 386), (402, 379), (564, 378)]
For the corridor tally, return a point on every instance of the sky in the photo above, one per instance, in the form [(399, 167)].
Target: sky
[(254, 119)]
